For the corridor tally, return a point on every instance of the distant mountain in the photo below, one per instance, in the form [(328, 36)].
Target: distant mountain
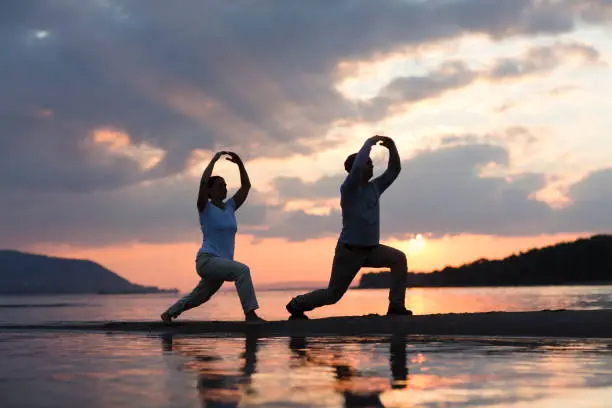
[(22, 273), (584, 261)]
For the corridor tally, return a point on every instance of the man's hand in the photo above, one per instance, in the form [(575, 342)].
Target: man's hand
[(384, 141), (375, 139), (387, 142), (233, 157)]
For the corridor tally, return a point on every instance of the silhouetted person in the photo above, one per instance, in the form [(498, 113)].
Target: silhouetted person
[(358, 245), (215, 260)]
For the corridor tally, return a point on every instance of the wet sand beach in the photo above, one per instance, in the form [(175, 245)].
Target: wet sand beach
[(544, 323)]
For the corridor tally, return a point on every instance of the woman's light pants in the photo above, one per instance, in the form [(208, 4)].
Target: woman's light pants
[(214, 271)]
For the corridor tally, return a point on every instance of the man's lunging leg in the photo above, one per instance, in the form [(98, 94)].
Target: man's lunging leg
[(394, 259), (345, 266)]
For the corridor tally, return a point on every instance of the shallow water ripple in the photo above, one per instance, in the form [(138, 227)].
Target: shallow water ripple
[(100, 370)]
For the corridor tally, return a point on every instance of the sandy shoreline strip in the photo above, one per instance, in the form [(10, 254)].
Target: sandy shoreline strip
[(545, 323)]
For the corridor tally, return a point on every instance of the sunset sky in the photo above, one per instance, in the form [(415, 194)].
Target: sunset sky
[(110, 110)]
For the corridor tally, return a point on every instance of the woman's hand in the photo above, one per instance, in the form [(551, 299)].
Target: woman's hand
[(218, 155), (233, 157)]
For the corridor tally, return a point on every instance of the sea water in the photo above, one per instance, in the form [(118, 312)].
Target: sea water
[(63, 369)]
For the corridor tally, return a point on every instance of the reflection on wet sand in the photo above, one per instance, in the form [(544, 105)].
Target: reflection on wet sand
[(217, 386), (345, 374), (220, 386)]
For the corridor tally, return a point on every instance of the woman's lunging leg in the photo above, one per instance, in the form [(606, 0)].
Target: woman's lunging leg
[(240, 274), (199, 295), (214, 271)]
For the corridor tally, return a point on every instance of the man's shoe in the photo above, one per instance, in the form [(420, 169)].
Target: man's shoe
[(295, 313), (252, 318), (398, 311)]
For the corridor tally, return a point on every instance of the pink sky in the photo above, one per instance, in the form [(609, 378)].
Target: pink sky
[(275, 262)]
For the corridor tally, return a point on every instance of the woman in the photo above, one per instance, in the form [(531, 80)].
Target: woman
[(215, 260)]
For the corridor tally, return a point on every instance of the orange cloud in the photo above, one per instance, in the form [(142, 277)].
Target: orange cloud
[(114, 139)]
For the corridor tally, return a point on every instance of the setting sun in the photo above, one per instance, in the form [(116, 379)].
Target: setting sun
[(416, 244)]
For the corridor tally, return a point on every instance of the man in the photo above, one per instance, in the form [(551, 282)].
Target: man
[(358, 244)]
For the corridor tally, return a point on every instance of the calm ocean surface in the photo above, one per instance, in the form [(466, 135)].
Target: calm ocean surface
[(65, 369)]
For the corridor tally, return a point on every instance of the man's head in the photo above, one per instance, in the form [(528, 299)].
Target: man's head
[(368, 170), (217, 189)]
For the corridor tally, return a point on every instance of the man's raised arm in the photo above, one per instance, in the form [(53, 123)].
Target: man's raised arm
[(356, 171), (245, 182), (394, 166)]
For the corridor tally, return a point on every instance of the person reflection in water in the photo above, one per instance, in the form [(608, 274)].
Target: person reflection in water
[(216, 387), (345, 373)]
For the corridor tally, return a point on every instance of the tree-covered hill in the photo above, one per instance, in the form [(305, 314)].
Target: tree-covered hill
[(584, 261)]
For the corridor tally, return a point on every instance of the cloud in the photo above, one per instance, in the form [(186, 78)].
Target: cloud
[(255, 77), (159, 212), (541, 59), (444, 192), (597, 11), (441, 192), (295, 188), (300, 226), (258, 77), (453, 75), (591, 204)]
